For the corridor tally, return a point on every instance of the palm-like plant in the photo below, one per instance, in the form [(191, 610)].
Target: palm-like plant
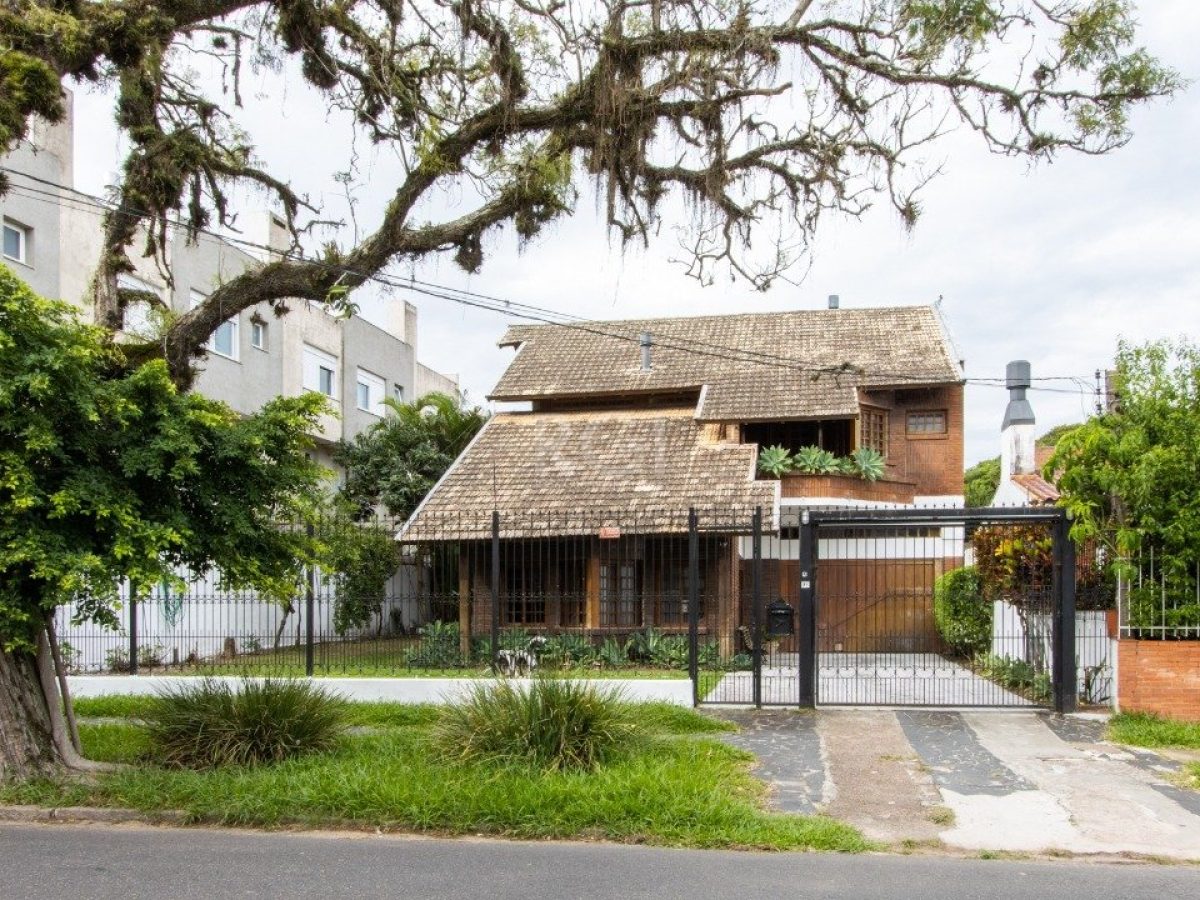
[(815, 461), (775, 461), (869, 463)]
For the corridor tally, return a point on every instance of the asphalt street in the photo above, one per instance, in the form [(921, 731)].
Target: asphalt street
[(127, 862)]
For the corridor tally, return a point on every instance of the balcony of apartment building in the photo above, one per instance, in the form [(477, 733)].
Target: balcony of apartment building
[(839, 437)]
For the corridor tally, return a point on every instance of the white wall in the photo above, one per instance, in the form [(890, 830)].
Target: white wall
[(1095, 654)]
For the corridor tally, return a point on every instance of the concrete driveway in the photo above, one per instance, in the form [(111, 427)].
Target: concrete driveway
[(877, 679), (989, 780)]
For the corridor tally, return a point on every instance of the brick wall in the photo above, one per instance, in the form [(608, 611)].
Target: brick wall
[(1160, 677), (934, 463)]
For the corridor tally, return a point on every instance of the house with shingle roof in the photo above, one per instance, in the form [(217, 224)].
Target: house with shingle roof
[(628, 424)]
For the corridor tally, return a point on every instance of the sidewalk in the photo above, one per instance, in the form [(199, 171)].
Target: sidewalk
[(977, 780)]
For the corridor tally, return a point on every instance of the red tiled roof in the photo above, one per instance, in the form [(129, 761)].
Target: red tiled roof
[(1037, 488)]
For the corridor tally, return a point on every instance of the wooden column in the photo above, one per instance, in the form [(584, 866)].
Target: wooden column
[(464, 601)]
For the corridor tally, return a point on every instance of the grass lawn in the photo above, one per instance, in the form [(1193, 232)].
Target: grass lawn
[(676, 785), (1146, 730)]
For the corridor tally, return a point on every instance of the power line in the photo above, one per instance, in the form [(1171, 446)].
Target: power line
[(83, 202)]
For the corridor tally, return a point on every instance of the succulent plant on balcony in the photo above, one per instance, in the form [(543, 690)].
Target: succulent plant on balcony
[(869, 463), (847, 466), (775, 461), (815, 461)]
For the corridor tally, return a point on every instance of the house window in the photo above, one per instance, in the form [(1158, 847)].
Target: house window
[(572, 587), (258, 335), (524, 599), (398, 393), (137, 319), (673, 601), (320, 372), (223, 341), (926, 422), (369, 393), (16, 242), (873, 429), (620, 605)]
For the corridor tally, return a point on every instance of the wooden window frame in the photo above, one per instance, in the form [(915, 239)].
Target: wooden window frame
[(927, 435), (865, 412)]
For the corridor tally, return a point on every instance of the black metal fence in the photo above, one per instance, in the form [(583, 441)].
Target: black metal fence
[(894, 607), (1159, 597)]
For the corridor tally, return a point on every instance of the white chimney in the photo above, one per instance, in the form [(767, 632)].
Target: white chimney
[(1017, 437)]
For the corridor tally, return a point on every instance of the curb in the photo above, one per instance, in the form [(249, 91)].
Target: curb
[(103, 815)]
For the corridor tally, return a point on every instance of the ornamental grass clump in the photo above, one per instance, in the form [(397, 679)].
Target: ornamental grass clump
[(212, 724), (547, 724)]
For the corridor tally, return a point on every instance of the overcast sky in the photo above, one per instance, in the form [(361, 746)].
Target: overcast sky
[(1052, 264)]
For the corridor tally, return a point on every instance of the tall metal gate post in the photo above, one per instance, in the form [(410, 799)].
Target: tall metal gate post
[(693, 601), (133, 629), (756, 608), (808, 612), (495, 592), (309, 611), (1066, 690)]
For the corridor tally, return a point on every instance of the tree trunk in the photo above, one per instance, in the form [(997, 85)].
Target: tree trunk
[(27, 746), (34, 736)]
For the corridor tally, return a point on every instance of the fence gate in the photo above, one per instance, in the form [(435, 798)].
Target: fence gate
[(897, 607)]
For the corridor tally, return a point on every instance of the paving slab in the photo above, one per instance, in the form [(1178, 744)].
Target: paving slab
[(996, 780), (877, 782), (791, 759), (1085, 799)]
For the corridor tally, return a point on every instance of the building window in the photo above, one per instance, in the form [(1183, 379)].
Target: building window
[(873, 429), (926, 422), (258, 335), (320, 372), (16, 242), (369, 393), (620, 604), (572, 588), (223, 341), (398, 393), (138, 319), (524, 598)]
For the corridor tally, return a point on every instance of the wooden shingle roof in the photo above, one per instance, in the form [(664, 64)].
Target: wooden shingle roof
[(753, 366), (572, 473)]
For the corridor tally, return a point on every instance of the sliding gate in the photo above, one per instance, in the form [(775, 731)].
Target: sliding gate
[(898, 607)]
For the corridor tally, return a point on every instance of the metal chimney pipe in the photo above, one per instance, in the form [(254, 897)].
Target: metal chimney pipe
[(646, 343), (834, 300)]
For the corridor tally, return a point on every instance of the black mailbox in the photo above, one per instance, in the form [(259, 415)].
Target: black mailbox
[(780, 620)]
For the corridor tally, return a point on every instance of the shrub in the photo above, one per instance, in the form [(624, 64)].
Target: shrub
[(671, 653), (643, 646), (962, 615), (438, 649), (209, 724), (567, 650), (549, 724), (1014, 674), (611, 654)]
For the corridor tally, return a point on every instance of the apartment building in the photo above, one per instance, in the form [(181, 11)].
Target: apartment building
[(51, 239)]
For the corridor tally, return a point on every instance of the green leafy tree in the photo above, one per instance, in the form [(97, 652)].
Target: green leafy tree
[(981, 481), (1131, 476), (761, 116), (108, 472), (399, 459)]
